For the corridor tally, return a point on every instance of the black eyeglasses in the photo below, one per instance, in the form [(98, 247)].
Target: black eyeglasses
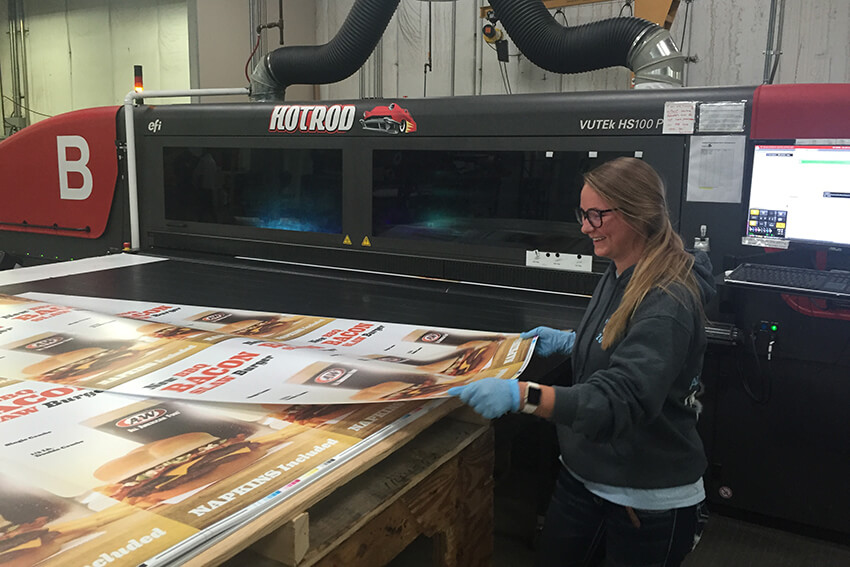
[(593, 216)]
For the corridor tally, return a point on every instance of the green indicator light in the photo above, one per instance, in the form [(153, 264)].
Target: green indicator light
[(774, 327)]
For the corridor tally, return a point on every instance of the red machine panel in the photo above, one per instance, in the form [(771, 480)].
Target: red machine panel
[(58, 175), (801, 111)]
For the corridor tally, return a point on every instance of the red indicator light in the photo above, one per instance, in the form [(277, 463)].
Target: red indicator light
[(138, 83)]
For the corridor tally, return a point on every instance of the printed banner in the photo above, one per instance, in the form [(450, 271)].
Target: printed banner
[(93, 478), (133, 432), (226, 355)]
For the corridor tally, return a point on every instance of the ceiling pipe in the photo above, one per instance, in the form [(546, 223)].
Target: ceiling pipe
[(643, 46), (334, 61)]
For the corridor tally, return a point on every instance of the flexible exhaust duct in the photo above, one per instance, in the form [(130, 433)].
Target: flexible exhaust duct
[(334, 61), (642, 46)]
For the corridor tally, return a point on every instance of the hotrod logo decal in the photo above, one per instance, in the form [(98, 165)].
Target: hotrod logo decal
[(312, 118), (391, 119)]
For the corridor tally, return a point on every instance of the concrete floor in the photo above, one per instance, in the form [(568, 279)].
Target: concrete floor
[(522, 491), (726, 542)]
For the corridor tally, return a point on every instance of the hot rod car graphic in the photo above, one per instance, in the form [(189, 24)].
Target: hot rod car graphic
[(391, 119)]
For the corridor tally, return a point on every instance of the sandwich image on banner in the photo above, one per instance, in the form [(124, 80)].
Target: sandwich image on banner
[(452, 337), (91, 350), (253, 324), (326, 361), (355, 420), (362, 382), (28, 517), (468, 359), (9, 302), (102, 466), (166, 468), (179, 448), (40, 528)]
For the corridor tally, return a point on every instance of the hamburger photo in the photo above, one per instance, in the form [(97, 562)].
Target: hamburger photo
[(24, 539), (472, 357), (399, 391), (166, 468), (247, 324), (73, 366), (259, 327), (314, 416), (450, 337), (166, 331), (14, 300), (26, 515)]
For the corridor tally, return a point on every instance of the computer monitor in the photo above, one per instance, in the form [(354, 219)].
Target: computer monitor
[(799, 193)]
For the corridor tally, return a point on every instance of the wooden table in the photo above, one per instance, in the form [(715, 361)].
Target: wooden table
[(433, 478)]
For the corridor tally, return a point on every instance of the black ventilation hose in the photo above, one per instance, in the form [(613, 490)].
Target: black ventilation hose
[(553, 47), (338, 59)]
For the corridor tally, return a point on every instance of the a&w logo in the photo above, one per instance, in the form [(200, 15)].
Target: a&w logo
[(141, 418), (46, 343), (432, 337), (215, 317), (331, 375), (312, 118)]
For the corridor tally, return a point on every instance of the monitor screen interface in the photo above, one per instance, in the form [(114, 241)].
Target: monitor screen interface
[(799, 193)]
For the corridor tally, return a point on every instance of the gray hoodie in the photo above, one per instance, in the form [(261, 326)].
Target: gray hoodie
[(629, 419)]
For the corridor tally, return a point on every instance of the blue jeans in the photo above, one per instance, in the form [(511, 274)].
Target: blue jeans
[(582, 530)]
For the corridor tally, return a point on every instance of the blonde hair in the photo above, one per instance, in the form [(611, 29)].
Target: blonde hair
[(637, 192)]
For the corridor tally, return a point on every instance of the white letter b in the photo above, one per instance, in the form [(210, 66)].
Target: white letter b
[(75, 166)]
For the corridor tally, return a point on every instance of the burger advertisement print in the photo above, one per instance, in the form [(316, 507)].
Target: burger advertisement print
[(196, 353), (133, 428), (84, 475)]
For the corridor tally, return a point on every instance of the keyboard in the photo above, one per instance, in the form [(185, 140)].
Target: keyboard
[(785, 278)]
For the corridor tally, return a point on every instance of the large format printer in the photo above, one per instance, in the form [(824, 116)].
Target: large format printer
[(459, 211)]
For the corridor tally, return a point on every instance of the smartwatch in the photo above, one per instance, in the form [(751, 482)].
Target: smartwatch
[(532, 397)]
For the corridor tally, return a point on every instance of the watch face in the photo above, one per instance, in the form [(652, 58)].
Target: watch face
[(533, 395)]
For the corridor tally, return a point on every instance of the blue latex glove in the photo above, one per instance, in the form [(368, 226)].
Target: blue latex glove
[(490, 397), (551, 341)]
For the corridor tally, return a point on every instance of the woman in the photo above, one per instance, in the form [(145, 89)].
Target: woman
[(630, 489)]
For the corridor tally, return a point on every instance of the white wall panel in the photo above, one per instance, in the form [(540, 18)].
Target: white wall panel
[(457, 52), (412, 23), (134, 43), (728, 37), (816, 42), (299, 29), (225, 40), (467, 57), (389, 61), (81, 53), (330, 16), (48, 58), (5, 64), (173, 42), (92, 74)]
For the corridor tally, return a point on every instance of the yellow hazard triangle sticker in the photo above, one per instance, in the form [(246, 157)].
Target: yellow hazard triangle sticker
[(347, 240), (365, 241)]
